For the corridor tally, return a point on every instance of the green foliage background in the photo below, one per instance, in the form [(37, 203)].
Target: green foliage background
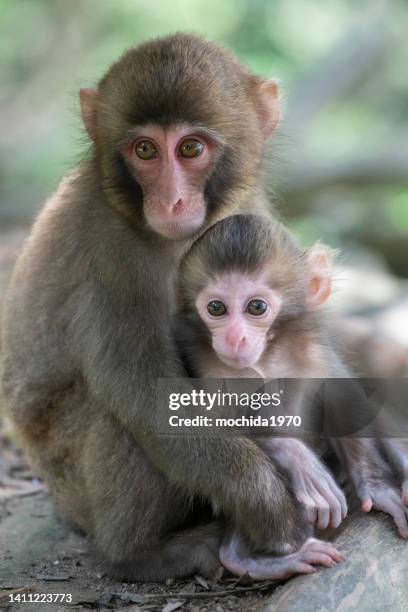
[(341, 158)]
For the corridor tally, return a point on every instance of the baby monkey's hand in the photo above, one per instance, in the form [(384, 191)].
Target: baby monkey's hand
[(312, 483)]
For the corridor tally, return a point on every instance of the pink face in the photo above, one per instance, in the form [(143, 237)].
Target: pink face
[(238, 310), (172, 166)]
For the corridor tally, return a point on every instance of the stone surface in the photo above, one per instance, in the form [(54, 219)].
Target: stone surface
[(373, 578)]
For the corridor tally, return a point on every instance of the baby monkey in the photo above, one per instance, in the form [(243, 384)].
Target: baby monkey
[(248, 300)]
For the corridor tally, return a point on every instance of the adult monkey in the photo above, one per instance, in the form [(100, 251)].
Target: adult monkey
[(178, 129)]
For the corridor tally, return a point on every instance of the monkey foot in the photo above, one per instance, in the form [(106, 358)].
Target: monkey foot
[(264, 567)]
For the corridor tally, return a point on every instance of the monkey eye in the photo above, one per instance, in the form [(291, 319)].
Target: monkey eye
[(146, 149), (190, 148), (256, 307), (216, 308)]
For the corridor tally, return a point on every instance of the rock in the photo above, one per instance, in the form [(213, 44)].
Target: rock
[(371, 579)]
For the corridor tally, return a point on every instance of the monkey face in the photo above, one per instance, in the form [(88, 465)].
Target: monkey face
[(179, 128), (238, 311), (172, 165)]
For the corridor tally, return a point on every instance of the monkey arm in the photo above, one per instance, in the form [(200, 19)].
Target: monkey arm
[(232, 472), (78, 315)]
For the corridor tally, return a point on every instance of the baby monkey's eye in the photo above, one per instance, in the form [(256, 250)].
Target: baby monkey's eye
[(216, 308), (256, 307)]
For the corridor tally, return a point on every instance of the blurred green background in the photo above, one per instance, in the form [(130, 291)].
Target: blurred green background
[(340, 160)]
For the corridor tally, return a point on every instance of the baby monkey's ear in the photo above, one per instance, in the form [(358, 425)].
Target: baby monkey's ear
[(268, 106), (320, 266)]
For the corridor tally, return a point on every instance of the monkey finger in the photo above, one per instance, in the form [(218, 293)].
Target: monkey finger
[(401, 522), (335, 554), (341, 498), (323, 511), (334, 510), (364, 493), (296, 567), (311, 514), (312, 544), (320, 558), (344, 507), (366, 504), (398, 514), (335, 515), (334, 507), (274, 571), (272, 568), (404, 495), (309, 508)]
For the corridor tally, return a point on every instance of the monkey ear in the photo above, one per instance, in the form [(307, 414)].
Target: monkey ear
[(320, 260), (269, 106), (88, 97)]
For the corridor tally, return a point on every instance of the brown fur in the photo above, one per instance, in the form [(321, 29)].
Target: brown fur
[(300, 346), (295, 348), (87, 330)]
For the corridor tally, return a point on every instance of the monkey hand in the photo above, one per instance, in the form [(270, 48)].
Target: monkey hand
[(373, 476), (316, 490), (396, 451), (380, 495), (314, 487), (240, 560)]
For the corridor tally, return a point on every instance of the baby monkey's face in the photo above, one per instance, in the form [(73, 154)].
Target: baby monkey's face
[(238, 311)]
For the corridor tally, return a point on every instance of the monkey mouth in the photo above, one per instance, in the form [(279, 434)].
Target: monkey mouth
[(177, 230), (238, 362)]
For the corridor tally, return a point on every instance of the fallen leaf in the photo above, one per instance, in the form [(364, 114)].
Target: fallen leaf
[(172, 605), (202, 582)]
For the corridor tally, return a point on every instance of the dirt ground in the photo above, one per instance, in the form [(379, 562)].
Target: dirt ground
[(40, 556)]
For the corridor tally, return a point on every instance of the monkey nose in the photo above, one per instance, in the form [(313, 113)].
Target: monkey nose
[(175, 208), (170, 208), (236, 342)]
